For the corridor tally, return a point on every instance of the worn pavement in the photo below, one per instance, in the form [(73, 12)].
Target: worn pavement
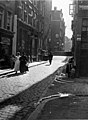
[(19, 93), (65, 99)]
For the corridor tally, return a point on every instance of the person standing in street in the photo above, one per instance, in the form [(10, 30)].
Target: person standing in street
[(50, 56), (17, 63), (23, 62), (12, 61)]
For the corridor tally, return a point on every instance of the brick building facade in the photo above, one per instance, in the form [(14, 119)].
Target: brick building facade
[(57, 30)]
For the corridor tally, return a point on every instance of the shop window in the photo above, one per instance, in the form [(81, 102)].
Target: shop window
[(1, 17), (9, 21), (20, 37)]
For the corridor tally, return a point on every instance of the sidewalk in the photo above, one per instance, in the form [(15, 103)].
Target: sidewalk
[(7, 71)]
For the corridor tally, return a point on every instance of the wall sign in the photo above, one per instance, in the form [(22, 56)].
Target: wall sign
[(78, 37)]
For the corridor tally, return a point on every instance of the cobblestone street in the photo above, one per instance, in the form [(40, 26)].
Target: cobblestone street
[(19, 93), (66, 107)]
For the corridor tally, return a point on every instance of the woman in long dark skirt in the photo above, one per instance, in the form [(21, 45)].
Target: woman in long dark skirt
[(23, 61)]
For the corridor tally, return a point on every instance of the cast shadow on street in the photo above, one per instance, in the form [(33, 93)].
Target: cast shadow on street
[(13, 75), (25, 100)]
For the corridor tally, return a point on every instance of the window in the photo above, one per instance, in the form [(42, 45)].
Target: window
[(29, 20), (25, 16), (25, 12), (1, 17), (30, 10), (9, 21), (33, 22), (22, 11), (36, 24), (34, 19), (85, 30), (30, 1)]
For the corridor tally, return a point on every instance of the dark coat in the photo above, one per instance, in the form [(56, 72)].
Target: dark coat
[(23, 61)]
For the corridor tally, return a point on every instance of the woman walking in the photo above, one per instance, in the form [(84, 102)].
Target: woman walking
[(23, 61), (17, 63)]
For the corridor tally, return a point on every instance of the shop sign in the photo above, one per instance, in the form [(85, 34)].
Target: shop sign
[(83, 7)]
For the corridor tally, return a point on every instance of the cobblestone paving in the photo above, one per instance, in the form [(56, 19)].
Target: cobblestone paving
[(22, 91), (23, 102), (65, 108), (75, 107)]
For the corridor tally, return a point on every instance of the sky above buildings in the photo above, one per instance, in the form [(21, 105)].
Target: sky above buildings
[(64, 5)]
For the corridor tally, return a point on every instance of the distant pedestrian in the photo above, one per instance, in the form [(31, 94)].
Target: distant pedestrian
[(17, 63), (50, 57), (23, 62)]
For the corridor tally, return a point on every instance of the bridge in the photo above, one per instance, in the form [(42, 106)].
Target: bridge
[(62, 53)]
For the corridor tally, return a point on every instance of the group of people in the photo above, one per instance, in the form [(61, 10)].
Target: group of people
[(20, 63)]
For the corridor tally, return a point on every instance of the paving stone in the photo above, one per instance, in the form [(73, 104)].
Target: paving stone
[(32, 89)]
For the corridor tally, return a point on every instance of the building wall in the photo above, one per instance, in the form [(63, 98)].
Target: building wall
[(27, 27), (34, 32), (57, 30), (47, 22), (6, 31), (80, 37), (28, 32), (68, 44)]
